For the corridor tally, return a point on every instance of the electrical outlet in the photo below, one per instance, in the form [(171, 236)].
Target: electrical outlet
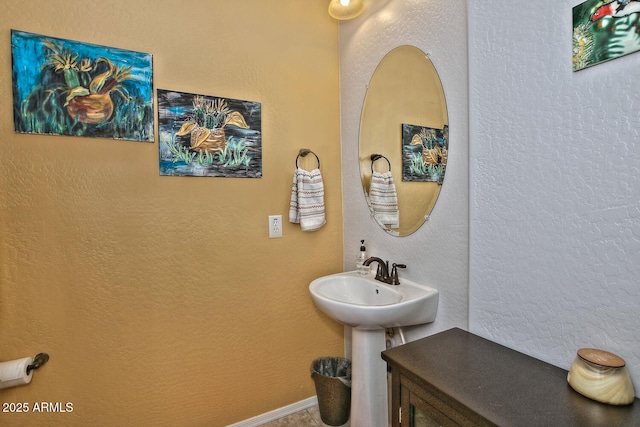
[(275, 226)]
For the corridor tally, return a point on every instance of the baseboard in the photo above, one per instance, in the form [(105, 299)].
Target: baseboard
[(277, 413)]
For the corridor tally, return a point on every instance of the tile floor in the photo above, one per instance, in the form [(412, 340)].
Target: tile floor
[(309, 417)]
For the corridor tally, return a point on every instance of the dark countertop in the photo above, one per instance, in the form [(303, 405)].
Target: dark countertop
[(503, 386)]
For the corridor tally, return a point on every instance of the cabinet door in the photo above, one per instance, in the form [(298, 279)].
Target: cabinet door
[(416, 412), (420, 419)]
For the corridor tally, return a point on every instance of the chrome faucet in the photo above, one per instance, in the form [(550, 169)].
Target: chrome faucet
[(382, 274)]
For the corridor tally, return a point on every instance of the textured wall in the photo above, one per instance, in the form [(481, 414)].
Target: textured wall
[(555, 200), (160, 300), (437, 254)]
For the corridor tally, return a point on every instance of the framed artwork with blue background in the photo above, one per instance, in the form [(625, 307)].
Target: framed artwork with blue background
[(66, 87)]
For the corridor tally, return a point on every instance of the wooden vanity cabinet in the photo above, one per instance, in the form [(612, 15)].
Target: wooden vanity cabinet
[(419, 407), (455, 378)]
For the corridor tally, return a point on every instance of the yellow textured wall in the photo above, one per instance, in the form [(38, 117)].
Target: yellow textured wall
[(160, 300)]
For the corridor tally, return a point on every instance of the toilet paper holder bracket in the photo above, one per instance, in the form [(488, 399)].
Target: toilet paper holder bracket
[(38, 360)]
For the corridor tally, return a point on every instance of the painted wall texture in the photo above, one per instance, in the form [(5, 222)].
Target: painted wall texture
[(160, 300), (436, 254), (555, 195)]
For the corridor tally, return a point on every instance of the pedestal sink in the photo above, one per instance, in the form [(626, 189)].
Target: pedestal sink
[(370, 306)]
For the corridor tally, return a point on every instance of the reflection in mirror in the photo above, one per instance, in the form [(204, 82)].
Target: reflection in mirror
[(382, 197), (404, 140)]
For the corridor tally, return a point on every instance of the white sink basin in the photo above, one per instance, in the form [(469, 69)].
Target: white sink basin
[(362, 302)]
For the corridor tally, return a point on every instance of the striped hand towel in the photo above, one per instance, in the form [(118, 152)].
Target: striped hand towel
[(384, 199), (307, 200)]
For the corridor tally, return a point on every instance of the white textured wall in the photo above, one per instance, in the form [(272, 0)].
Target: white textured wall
[(555, 191), (437, 254)]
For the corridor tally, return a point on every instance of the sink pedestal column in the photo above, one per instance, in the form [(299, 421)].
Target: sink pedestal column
[(368, 379)]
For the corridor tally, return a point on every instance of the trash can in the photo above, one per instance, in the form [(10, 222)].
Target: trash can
[(332, 377)]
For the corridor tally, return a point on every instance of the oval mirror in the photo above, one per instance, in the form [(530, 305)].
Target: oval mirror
[(404, 140)]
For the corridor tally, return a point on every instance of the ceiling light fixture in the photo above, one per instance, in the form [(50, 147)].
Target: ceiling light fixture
[(345, 9)]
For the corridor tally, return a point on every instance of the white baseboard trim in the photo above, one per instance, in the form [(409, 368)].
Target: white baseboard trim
[(278, 413)]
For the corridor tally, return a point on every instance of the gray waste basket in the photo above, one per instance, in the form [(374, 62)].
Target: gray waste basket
[(332, 377)]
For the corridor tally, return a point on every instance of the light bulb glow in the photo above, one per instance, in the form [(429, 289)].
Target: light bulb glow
[(345, 9)]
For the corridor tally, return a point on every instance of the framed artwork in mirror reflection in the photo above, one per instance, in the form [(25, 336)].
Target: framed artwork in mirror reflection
[(424, 153)]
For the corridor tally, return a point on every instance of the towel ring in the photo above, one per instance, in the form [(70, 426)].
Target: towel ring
[(375, 157), (303, 152)]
